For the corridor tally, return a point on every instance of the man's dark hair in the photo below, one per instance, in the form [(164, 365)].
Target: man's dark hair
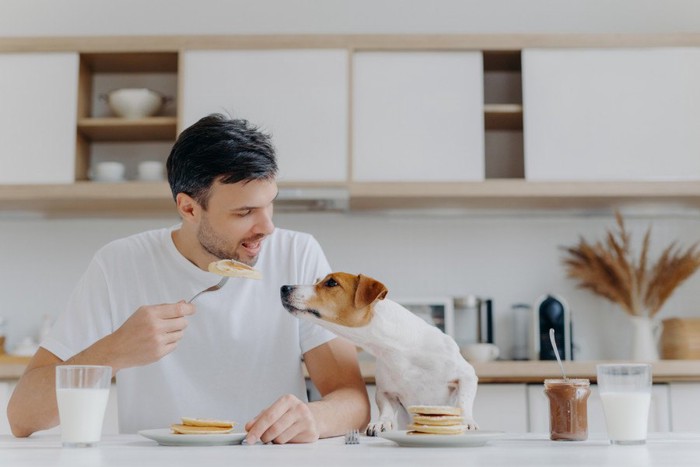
[(217, 148)]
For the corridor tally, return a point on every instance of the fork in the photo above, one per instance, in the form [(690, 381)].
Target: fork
[(352, 437), (221, 283)]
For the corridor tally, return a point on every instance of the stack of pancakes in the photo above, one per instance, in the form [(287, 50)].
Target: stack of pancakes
[(201, 426), (436, 420)]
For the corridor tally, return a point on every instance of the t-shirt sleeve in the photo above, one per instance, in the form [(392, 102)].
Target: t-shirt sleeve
[(314, 266), (86, 318)]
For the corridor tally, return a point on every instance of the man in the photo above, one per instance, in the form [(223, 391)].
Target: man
[(233, 353)]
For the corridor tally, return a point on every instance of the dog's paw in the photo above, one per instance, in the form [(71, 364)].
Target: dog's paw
[(374, 428), (470, 424)]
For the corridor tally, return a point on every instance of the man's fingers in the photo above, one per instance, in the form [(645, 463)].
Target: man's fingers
[(279, 428), (174, 336), (176, 310), (265, 419), (174, 324)]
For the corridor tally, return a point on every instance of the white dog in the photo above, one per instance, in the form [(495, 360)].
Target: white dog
[(417, 364)]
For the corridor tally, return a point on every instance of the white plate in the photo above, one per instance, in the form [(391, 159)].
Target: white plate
[(468, 438), (165, 437)]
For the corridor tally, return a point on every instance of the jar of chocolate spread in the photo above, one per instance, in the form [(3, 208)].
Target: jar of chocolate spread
[(568, 408)]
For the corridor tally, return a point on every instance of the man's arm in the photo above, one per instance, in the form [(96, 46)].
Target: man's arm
[(149, 334), (334, 370)]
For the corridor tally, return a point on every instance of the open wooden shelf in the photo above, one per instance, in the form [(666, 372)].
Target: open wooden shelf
[(121, 129)]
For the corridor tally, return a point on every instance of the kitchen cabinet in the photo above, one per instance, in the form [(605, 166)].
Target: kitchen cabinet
[(501, 407), (418, 116), (659, 411), (38, 92), (614, 114), (685, 410), (299, 96), (320, 96), (110, 425)]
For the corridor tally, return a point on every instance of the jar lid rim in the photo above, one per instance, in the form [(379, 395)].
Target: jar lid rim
[(574, 381)]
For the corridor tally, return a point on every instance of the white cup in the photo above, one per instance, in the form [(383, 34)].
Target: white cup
[(108, 172), (625, 390), (151, 171), (82, 392), (480, 352)]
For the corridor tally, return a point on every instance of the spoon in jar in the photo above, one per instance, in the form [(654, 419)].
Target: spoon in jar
[(556, 352)]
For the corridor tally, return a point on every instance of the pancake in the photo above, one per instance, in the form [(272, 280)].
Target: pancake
[(436, 430), (199, 430), (437, 420), (434, 410), (233, 268), (207, 422), (202, 426)]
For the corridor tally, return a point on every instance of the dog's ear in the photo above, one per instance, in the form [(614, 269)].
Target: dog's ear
[(368, 290)]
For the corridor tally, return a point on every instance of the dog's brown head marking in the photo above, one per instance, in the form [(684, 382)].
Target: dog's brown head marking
[(340, 298)]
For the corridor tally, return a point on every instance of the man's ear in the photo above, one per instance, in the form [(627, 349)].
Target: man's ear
[(368, 291), (186, 206)]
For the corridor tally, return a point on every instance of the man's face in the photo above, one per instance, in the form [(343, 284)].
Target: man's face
[(237, 218)]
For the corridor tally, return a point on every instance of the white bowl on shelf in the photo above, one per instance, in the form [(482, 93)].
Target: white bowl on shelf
[(135, 102)]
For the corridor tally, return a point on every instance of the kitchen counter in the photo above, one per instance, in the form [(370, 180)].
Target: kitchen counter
[(11, 366), (510, 371), (506, 371), (509, 450)]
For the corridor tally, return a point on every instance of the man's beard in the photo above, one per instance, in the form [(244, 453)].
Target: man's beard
[(216, 246)]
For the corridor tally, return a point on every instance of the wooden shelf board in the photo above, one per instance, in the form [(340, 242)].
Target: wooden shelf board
[(120, 129), (135, 62), (136, 198), (90, 198), (491, 42), (503, 117), (502, 60), (516, 194)]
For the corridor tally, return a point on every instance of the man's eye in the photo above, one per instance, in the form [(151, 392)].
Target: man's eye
[(331, 283), (244, 213)]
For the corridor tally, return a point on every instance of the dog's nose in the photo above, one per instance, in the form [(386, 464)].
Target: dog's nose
[(285, 290)]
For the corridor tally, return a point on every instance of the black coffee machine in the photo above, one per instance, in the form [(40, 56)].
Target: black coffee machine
[(551, 312)]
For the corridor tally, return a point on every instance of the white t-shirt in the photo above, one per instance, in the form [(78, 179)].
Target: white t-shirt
[(241, 350)]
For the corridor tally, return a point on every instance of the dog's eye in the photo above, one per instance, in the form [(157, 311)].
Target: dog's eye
[(331, 283)]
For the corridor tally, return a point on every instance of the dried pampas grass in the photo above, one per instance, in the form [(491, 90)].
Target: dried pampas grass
[(609, 270)]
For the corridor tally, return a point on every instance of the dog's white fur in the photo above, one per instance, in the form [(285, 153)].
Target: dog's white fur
[(417, 364)]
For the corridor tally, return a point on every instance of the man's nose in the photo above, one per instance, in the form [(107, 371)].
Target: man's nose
[(265, 225)]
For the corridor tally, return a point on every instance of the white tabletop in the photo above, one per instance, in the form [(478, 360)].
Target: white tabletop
[(668, 449)]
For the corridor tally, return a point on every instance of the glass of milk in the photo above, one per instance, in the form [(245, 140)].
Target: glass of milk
[(625, 390), (82, 392)]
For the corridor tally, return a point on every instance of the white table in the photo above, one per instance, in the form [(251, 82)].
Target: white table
[(671, 449)]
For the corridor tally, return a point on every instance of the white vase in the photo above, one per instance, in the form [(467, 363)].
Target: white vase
[(645, 339)]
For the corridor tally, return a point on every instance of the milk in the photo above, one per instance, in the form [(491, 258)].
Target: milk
[(81, 411), (626, 415)]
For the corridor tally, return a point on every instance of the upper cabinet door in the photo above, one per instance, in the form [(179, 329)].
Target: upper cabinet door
[(38, 112), (299, 96), (620, 114), (418, 116)]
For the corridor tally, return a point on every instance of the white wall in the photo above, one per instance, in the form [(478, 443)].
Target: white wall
[(157, 17), (509, 257)]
